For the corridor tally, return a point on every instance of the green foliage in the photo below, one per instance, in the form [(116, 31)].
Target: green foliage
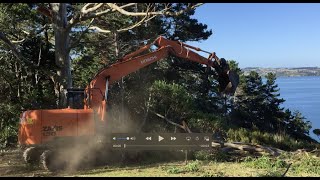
[(265, 162), (234, 66), (208, 174), (173, 97), (257, 107), (207, 123), (193, 166), (306, 164), (8, 136), (203, 155), (317, 132), (300, 163), (171, 100), (217, 156), (271, 173), (174, 170), (281, 141)]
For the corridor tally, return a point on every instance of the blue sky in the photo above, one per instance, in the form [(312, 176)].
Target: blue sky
[(263, 34)]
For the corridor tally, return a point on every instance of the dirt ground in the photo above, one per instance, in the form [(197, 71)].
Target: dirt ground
[(11, 164)]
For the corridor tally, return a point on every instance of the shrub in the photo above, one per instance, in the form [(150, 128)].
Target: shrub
[(174, 170), (306, 164), (265, 162), (284, 142), (218, 174), (209, 155), (193, 166)]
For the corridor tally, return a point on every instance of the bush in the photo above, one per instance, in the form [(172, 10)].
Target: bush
[(218, 174), (205, 122), (193, 166), (9, 119), (271, 174), (306, 164), (265, 162), (203, 155), (284, 142), (174, 170), (8, 136), (212, 156)]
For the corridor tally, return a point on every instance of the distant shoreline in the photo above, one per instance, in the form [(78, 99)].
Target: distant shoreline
[(284, 72)]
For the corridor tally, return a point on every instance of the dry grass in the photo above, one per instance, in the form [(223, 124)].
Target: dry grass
[(11, 165)]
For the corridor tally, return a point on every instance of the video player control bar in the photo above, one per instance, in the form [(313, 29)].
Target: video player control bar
[(163, 141)]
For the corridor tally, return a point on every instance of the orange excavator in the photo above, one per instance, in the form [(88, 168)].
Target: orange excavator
[(42, 133)]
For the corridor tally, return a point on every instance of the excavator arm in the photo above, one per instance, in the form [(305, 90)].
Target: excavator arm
[(97, 90)]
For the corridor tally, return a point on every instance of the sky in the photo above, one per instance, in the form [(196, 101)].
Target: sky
[(262, 34)]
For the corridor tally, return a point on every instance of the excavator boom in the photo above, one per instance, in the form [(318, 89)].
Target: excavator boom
[(132, 62)]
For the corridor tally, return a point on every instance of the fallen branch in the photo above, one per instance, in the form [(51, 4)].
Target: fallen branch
[(169, 121), (227, 147), (10, 45), (286, 170), (184, 125)]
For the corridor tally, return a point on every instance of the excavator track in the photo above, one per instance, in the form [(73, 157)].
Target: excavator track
[(50, 162), (31, 155)]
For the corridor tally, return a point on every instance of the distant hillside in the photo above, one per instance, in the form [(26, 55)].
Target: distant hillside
[(300, 71)]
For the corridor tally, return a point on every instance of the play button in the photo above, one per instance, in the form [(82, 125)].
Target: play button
[(160, 138)]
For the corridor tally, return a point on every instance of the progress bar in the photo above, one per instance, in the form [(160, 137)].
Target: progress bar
[(160, 147)]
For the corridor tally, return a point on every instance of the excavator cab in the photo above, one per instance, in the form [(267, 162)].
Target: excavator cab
[(75, 98)]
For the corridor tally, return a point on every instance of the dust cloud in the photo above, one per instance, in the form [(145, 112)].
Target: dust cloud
[(88, 152)]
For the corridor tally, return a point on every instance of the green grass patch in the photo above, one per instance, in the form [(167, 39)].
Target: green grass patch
[(306, 164), (265, 162), (193, 166)]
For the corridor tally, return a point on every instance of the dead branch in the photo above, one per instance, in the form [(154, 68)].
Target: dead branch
[(136, 25), (163, 12), (286, 170), (18, 41), (123, 29), (184, 124), (169, 121), (90, 14), (17, 54), (74, 43), (10, 45), (250, 148), (84, 10)]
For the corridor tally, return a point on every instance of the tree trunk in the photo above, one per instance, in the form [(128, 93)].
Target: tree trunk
[(116, 48), (62, 52)]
